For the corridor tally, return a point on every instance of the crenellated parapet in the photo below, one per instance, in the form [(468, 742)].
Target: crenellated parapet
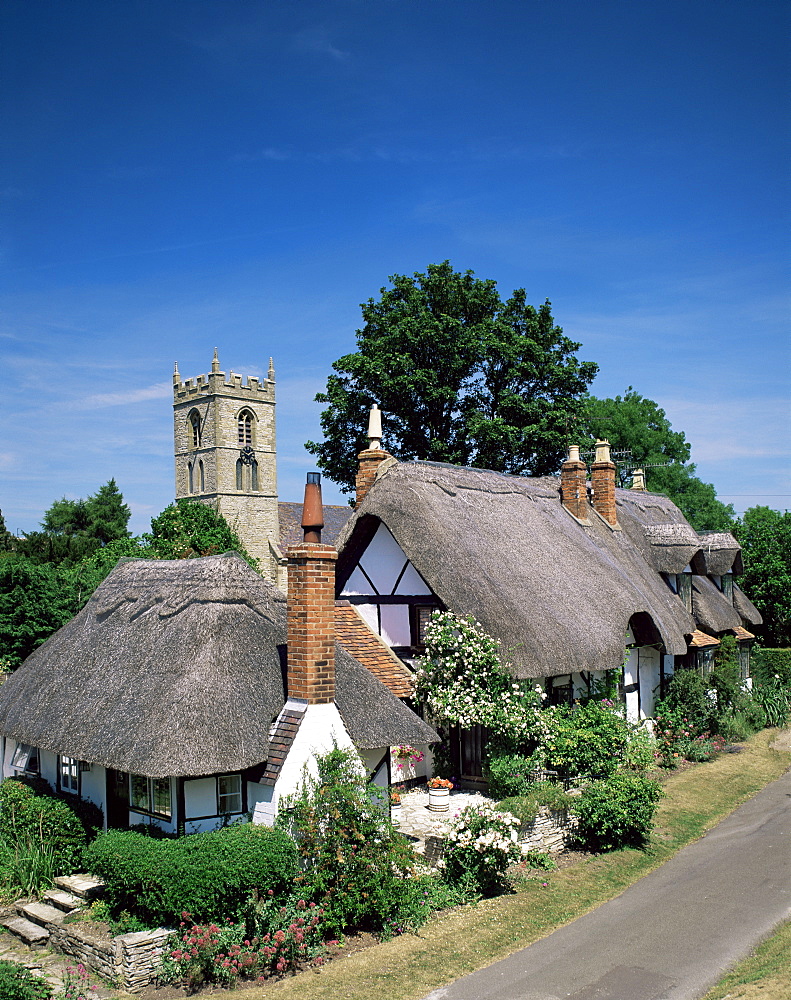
[(217, 383)]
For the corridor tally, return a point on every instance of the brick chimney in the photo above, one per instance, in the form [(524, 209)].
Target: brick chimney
[(573, 484), (603, 483), (311, 607), (372, 457)]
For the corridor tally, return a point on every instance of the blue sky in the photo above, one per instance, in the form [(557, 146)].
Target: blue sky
[(180, 175)]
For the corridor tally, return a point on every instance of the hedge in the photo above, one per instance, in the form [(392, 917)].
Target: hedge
[(37, 817), (768, 662), (208, 875)]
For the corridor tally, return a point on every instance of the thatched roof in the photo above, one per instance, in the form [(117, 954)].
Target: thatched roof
[(177, 668), (745, 607), (721, 552), (673, 546), (559, 595), (711, 608)]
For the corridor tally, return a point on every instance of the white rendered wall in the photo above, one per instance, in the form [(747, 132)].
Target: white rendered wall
[(630, 675), (200, 798), (321, 730), (93, 787)]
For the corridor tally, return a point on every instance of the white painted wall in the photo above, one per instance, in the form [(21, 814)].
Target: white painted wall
[(650, 660), (93, 786), (322, 729), (200, 798), (395, 624)]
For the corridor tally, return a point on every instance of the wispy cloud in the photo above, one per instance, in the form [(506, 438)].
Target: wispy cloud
[(316, 39), (123, 397)]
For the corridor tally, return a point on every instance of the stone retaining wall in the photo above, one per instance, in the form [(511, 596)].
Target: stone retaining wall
[(129, 961), (548, 832)]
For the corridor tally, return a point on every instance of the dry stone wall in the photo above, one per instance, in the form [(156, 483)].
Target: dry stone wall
[(129, 961)]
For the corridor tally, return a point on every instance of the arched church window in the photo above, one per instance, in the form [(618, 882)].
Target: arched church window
[(196, 431), (245, 426), (191, 477), (201, 477), (254, 475), (239, 473)]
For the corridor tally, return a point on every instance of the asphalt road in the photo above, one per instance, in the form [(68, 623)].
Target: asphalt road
[(671, 935)]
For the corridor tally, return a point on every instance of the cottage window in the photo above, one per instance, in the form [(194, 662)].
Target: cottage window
[(69, 770), (422, 615), (150, 795), (229, 794), (25, 759)]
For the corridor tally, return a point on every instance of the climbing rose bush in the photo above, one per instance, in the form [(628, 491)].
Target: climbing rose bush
[(462, 680)]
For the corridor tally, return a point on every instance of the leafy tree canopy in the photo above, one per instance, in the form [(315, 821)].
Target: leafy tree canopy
[(74, 529), (765, 537), (6, 538), (461, 376), (639, 425), (189, 528), (35, 601)]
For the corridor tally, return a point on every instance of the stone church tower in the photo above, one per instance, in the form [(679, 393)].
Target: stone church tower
[(224, 433)]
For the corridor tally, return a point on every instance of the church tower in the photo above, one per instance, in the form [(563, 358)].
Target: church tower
[(224, 433)]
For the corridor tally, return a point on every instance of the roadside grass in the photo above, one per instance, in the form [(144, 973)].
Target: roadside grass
[(764, 975), (472, 937)]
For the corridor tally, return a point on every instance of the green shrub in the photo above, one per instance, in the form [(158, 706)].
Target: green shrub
[(209, 875), (510, 774), (774, 699), (16, 983), (542, 793), (589, 741), (617, 812), (770, 663), (354, 863), (641, 750), (41, 828), (687, 695)]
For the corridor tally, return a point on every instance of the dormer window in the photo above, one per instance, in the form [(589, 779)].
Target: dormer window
[(196, 430), (245, 428)]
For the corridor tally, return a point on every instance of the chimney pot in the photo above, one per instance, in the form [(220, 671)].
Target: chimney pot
[(312, 509), (573, 484), (603, 483), (371, 458)]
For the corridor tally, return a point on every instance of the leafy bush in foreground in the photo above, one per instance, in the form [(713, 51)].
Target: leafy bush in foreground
[(617, 812), (16, 983), (355, 865), (210, 875)]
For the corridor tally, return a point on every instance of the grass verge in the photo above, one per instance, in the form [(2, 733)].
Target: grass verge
[(469, 938), (765, 975)]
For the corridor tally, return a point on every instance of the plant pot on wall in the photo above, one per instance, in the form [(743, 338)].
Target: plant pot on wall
[(439, 799)]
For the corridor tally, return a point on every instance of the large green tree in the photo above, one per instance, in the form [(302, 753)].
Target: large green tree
[(461, 376), (71, 530), (765, 537), (639, 426)]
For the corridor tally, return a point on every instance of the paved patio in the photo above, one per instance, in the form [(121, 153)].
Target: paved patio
[(420, 824)]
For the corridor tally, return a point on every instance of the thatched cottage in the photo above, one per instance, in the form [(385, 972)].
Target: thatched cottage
[(574, 578), (189, 692)]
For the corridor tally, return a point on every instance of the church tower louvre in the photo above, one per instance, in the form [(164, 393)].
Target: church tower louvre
[(224, 434)]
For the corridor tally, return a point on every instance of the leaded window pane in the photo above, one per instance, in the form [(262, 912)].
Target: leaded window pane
[(229, 794)]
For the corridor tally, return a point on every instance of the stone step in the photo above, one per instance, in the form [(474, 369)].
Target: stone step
[(83, 885), (41, 913), (63, 900), (32, 934)]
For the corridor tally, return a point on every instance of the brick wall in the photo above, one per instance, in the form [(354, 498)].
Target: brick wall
[(311, 622), (370, 460)]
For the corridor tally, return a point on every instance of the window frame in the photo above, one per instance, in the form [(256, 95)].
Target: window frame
[(69, 768), (244, 428), (21, 759), (152, 796), (196, 435), (236, 778)]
